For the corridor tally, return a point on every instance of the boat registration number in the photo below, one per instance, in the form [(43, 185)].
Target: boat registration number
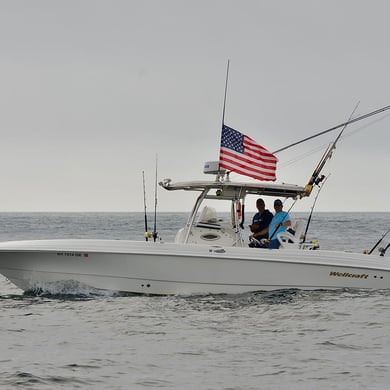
[(73, 254)]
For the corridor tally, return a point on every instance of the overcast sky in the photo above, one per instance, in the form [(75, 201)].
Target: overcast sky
[(92, 90)]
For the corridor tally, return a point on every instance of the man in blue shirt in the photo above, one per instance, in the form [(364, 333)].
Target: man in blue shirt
[(261, 221), (280, 222)]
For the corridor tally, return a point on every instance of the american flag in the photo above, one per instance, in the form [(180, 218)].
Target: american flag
[(240, 153)]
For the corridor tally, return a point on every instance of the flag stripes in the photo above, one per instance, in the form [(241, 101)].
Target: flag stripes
[(241, 154)]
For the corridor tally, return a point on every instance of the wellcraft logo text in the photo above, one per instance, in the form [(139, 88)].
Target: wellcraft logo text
[(348, 275)]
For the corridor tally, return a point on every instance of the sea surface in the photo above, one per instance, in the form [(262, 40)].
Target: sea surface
[(286, 339)]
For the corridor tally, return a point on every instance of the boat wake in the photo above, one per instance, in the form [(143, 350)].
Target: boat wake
[(68, 289), (223, 302)]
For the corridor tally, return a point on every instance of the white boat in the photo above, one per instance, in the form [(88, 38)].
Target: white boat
[(209, 255)]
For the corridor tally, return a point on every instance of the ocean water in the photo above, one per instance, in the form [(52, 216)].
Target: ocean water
[(275, 340)]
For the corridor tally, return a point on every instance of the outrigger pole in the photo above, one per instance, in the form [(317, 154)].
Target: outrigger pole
[(359, 118), (315, 177)]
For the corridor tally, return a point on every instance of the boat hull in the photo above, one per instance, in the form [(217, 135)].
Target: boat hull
[(168, 268)]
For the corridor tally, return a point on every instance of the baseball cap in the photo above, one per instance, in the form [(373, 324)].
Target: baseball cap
[(278, 202)]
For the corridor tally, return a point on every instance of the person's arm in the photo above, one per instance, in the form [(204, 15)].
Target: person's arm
[(286, 223), (261, 232)]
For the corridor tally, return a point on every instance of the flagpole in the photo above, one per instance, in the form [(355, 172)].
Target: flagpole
[(224, 99)]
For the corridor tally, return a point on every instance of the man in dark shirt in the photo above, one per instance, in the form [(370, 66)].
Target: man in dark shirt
[(261, 220)]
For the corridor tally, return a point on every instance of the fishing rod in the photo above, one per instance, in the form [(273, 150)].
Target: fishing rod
[(315, 178), (312, 208), (242, 216), (146, 235), (379, 241), (350, 121), (155, 207), (383, 250)]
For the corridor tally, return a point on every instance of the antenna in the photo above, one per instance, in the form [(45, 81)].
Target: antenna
[(224, 99), (220, 171)]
